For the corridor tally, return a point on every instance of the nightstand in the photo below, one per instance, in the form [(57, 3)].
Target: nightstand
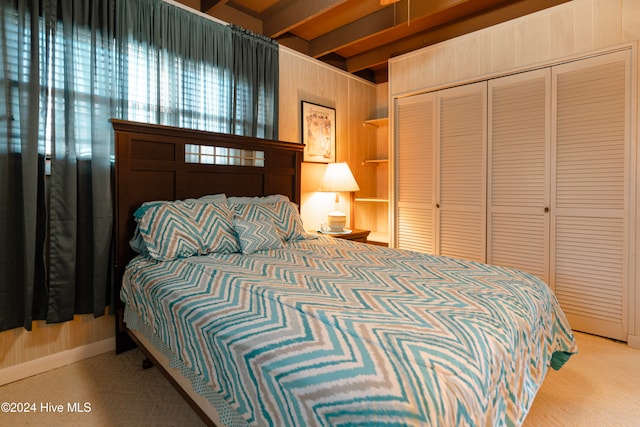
[(355, 235)]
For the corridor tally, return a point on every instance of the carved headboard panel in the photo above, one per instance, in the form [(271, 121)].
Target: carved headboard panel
[(151, 164)]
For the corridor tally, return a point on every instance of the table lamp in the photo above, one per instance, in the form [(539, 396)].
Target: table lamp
[(337, 178)]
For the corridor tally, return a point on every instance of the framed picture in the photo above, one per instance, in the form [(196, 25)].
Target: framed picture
[(318, 133)]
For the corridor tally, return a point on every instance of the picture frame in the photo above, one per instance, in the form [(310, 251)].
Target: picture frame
[(318, 124)]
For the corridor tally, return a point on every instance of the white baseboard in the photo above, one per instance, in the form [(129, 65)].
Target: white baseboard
[(53, 361), (633, 341)]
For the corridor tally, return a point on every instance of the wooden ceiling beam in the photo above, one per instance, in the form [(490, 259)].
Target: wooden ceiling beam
[(356, 31), (295, 14), (385, 20), (294, 42), (380, 55), (207, 6)]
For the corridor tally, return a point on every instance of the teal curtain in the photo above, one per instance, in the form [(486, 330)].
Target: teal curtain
[(77, 71), (21, 162), (186, 70), (66, 68), (255, 74), (56, 85)]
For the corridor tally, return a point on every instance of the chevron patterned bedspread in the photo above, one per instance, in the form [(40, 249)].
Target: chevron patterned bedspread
[(330, 332)]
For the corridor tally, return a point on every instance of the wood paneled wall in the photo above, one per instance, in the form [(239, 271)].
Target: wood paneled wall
[(305, 79), (571, 29), (19, 346)]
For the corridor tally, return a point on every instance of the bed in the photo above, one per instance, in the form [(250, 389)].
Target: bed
[(280, 327)]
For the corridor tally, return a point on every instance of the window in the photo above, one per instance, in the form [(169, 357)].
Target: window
[(73, 79), (211, 155), (167, 89)]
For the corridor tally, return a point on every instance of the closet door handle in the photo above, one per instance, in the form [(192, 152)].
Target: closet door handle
[(546, 209), (437, 205)]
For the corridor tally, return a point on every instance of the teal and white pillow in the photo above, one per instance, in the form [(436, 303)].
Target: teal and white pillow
[(218, 235), (171, 230), (284, 215), (256, 236)]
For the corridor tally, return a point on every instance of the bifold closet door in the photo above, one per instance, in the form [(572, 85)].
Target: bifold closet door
[(461, 172), (519, 172), (590, 192), (415, 172)]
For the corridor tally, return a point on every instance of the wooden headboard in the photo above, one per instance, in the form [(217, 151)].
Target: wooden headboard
[(150, 165)]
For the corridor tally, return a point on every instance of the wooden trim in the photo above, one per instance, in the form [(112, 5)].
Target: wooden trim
[(54, 361)]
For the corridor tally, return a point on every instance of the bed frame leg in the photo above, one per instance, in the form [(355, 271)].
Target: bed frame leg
[(146, 363)]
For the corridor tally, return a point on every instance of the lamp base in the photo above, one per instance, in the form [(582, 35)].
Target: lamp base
[(336, 221)]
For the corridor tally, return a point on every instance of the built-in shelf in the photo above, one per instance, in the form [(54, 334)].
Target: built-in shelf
[(372, 211), (371, 200), (377, 161), (377, 122)]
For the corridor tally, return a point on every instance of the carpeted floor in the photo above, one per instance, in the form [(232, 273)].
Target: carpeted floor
[(118, 390), (600, 386)]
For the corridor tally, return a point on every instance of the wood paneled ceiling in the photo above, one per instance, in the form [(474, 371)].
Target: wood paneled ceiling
[(359, 36)]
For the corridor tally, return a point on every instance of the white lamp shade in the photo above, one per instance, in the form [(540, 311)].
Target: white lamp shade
[(338, 177)]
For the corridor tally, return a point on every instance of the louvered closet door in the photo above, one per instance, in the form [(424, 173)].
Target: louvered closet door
[(519, 172), (414, 172), (589, 196), (461, 170)]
